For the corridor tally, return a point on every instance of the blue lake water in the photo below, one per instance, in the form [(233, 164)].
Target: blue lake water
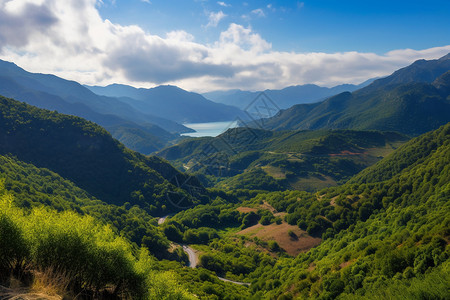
[(209, 129)]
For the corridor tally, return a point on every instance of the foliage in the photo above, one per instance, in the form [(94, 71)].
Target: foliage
[(91, 255), (398, 241), (37, 187), (86, 154)]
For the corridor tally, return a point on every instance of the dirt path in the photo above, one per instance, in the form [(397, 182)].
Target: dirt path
[(193, 256), (162, 219), (193, 262), (235, 282)]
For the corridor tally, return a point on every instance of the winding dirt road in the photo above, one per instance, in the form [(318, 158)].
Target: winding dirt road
[(193, 262), (193, 256)]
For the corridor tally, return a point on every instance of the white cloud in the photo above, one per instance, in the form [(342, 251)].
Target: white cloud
[(259, 12), (223, 4), (70, 39), (215, 18)]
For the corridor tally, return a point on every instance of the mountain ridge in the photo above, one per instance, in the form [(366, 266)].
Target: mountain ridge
[(407, 106), (283, 98), (190, 107), (87, 154)]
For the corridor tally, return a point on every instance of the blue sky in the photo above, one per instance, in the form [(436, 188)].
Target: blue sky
[(204, 45), (317, 25)]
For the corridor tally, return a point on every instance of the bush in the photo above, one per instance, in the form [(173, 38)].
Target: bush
[(13, 247)]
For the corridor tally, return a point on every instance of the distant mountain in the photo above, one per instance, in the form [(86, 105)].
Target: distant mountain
[(420, 71), (284, 98), (172, 103), (137, 130), (412, 101), (86, 154)]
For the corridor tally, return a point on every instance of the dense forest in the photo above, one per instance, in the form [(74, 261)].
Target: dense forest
[(250, 214)]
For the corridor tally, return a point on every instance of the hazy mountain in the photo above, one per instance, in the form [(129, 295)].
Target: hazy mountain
[(399, 102), (283, 98), (138, 131), (172, 103)]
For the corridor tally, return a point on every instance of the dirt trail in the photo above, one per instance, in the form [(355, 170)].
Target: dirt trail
[(193, 262), (162, 220), (193, 256)]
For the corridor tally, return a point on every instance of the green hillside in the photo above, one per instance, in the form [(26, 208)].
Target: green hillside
[(386, 240), (267, 160), (403, 102), (67, 255), (86, 154), (39, 187)]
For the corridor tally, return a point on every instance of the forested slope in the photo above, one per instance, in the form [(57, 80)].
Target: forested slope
[(86, 154), (387, 240)]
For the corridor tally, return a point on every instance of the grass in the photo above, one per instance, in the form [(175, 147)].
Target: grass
[(275, 172), (311, 183)]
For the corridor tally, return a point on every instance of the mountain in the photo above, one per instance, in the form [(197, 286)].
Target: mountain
[(395, 103), (283, 98), (390, 237), (51, 92), (278, 160), (420, 71), (86, 154), (172, 103)]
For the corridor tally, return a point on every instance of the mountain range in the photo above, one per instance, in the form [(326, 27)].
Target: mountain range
[(138, 122), (412, 100), (283, 98), (172, 103)]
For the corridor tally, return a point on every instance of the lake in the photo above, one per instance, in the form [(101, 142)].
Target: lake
[(209, 129)]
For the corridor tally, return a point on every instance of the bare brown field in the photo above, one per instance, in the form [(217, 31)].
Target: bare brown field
[(280, 234), (244, 209)]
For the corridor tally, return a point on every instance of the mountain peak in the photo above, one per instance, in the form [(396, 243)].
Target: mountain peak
[(445, 57)]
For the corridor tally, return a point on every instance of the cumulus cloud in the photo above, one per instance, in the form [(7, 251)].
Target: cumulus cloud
[(221, 3), (214, 18), (258, 12), (70, 39), (21, 21)]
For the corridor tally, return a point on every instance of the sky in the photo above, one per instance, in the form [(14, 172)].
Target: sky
[(204, 45)]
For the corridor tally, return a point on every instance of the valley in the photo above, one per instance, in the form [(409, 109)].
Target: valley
[(345, 198)]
